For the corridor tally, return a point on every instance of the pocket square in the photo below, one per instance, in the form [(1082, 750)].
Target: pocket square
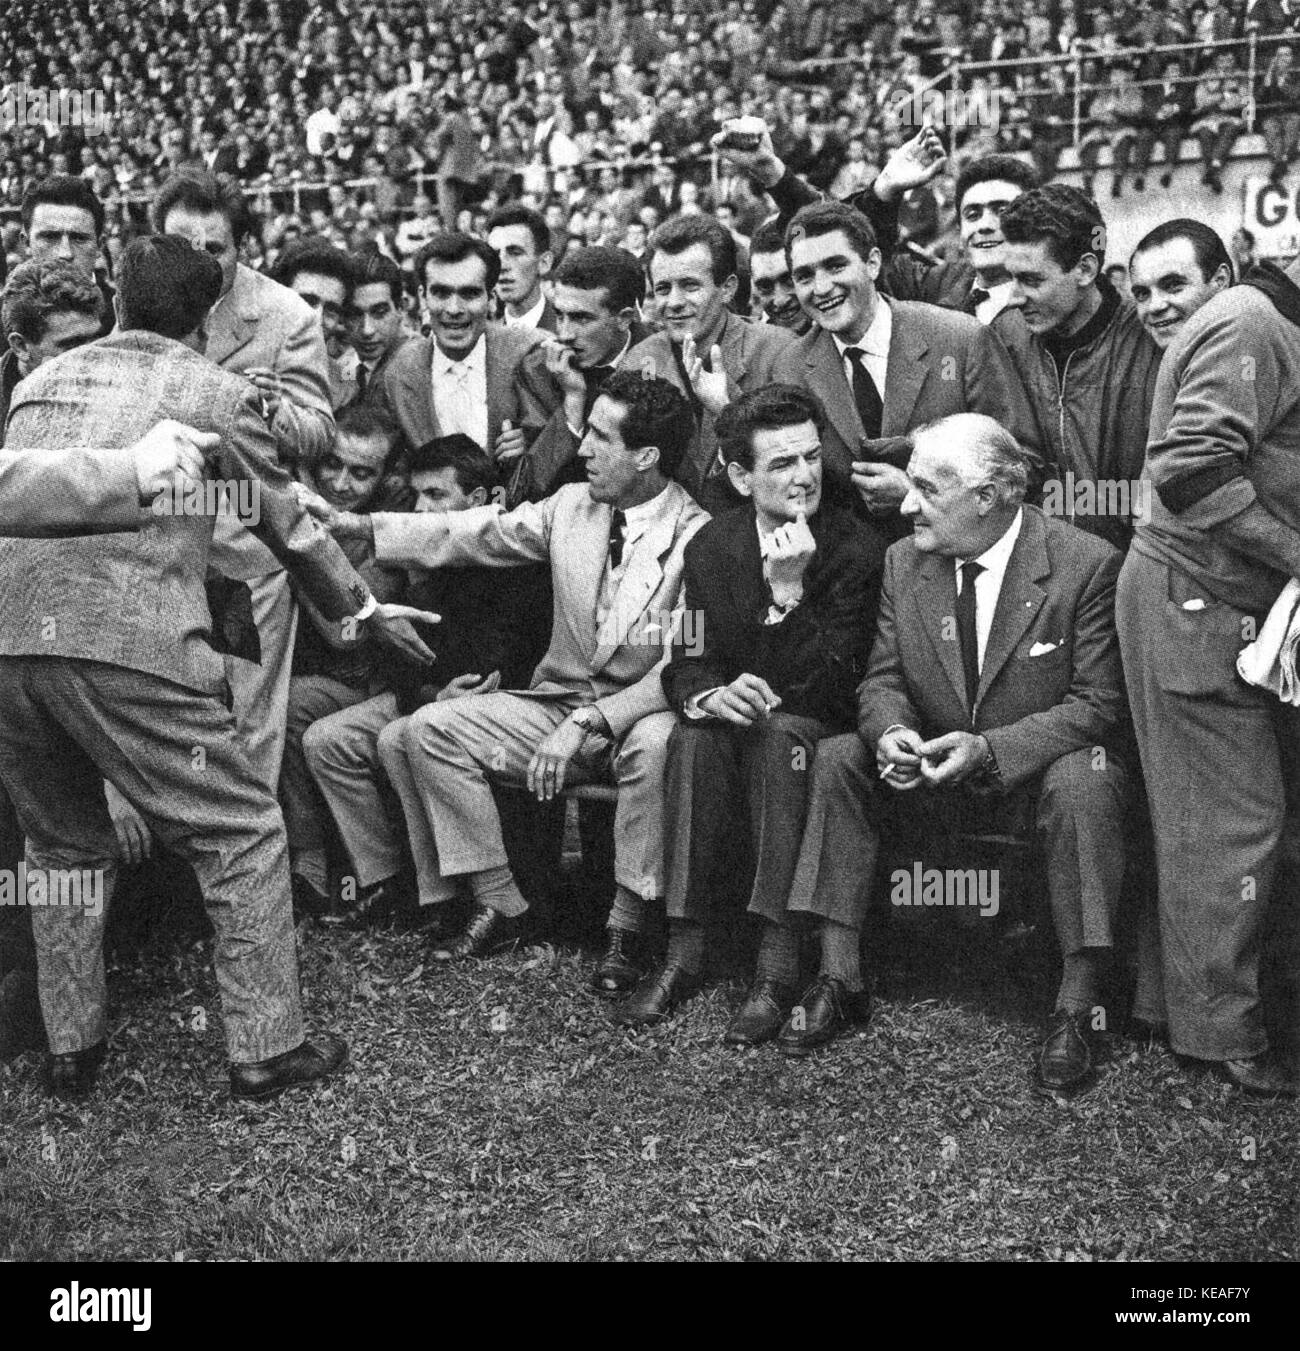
[(1041, 649)]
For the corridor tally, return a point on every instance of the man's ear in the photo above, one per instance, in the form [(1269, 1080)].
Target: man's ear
[(478, 497), (740, 478), (18, 346), (875, 261), (1221, 278), (1087, 269), (647, 458), (626, 317), (728, 288), (545, 261)]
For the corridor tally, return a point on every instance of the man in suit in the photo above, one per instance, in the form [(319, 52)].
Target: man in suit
[(315, 271), (374, 321), (880, 367), (780, 605), (595, 707), (994, 688), (107, 674), (595, 300), (262, 331), (523, 243), (1174, 270), (1215, 546), (461, 378), (707, 352)]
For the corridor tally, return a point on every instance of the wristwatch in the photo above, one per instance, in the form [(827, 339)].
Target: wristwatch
[(590, 719)]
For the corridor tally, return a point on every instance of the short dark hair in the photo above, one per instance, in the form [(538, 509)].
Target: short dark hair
[(1064, 218), (1211, 252), (193, 189), (657, 415), (36, 291), (683, 232), (462, 453), (765, 409), (451, 246), (602, 267), (371, 268), (516, 213), (995, 168), (768, 238), (312, 254), (165, 285), (825, 218), (361, 419), (62, 190)]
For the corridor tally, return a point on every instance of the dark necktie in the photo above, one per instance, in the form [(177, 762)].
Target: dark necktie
[(617, 524), (865, 394), (978, 296), (361, 383), (595, 378), (696, 406), (970, 652)]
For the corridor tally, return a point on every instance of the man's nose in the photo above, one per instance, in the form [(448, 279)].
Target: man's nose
[(911, 503)]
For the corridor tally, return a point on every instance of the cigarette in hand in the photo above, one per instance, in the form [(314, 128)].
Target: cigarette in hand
[(887, 771)]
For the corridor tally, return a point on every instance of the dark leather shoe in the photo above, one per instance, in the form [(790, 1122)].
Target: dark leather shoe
[(1260, 1077), (434, 923), (1065, 1057), (487, 931), (70, 1076), (827, 1009), (656, 996), (374, 907), (319, 1056), (618, 971), (21, 1026), (762, 1015), (308, 903)]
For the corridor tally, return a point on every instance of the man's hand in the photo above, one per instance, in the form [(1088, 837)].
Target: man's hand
[(786, 555), (881, 486), (710, 386), (914, 163), (747, 698), (564, 368), (761, 164), (458, 687), (166, 450), (393, 626), (952, 758), (267, 383), (134, 839), (510, 444), (898, 758), (550, 763)]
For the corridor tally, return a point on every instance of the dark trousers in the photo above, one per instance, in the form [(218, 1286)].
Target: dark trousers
[(175, 755), (736, 799)]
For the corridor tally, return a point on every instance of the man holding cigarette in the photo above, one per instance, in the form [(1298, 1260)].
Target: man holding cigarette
[(783, 595)]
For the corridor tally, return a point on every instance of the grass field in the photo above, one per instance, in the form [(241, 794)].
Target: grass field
[(492, 1111)]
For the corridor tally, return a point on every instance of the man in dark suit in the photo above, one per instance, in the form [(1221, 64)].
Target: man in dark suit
[(595, 300), (879, 367), (780, 612), (523, 243), (994, 688), (64, 220), (374, 322), (461, 378), (710, 354), (107, 674)]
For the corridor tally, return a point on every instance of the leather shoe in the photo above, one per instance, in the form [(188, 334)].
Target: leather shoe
[(70, 1076), (374, 907), (618, 971), (308, 903), (1260, 1077), (486, 931), (1065, 1057), (657, 994), (762, 1015), (319, 1055), (827, 1010), (21, 1026)]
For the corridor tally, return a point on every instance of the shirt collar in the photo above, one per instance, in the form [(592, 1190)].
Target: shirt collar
[(875, 341), (639, 517), (530, 318), (473, 362), (994, 559)]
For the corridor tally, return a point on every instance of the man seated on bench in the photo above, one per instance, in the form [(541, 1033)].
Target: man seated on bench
[(993, 697), (595, 707)]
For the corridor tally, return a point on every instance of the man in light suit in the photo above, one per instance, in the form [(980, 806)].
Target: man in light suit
[(462, 377), (106, 673), (706, 351), (880, 367), (596, 705), (994, 688), (262, 331)]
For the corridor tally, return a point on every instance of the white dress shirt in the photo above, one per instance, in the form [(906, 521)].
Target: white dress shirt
[(999, 297), (874, 344), (529, 319), (637, 521), (460, 393), (988, 585)]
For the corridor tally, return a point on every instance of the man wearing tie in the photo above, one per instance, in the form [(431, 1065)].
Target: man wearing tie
[(994, 687)]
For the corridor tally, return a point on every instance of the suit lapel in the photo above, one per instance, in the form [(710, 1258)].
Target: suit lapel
[(415, 394), (936, 600), (1018, 601), (745, 576), (498, 391), (828, 382), (237, 323), (905, 373), (640, 581)]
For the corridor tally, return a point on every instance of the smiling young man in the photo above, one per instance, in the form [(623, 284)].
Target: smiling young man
[(706, 351), (523, 243), (1173, 271), (1086, 364), (881, 367), (769, 276), (780, 605), (595, 707)]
